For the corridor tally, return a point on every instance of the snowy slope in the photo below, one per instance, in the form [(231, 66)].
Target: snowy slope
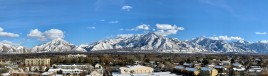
[(149, 41), (145, 42), (11, 48), (56, 45), (222, 46)]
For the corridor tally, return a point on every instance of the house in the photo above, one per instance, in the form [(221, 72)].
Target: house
[(137, 69), (197, 65), (47, 74), (208, 71), (211, 65), (221, 69), (225, 63), (96, 73), (97, 66), (192, 71), (187, 64), (238, 69), (255, 69), (179, 67), (76, 55), (5, 61), (5, 74)]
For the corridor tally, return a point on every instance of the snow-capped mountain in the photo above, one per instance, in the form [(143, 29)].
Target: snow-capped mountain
[(222, 45), (80, 48), (259, 47), (56, 45), (145, 42), (149, 41), (152, 41), (11, 48)]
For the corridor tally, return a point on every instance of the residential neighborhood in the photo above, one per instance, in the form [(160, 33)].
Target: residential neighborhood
[(99, 65)]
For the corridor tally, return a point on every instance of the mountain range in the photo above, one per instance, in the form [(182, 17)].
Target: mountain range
[(145, 42)]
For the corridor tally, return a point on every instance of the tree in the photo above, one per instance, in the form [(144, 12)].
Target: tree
[(75, 60), (168, 65), (59, 72), (5, 70), (205, 62), (89, 60)]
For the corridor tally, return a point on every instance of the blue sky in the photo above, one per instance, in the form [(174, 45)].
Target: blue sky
[(87, 21)]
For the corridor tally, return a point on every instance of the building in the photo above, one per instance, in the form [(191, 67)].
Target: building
[(192, 71), (225, 63), (137, 69), (47, 74), (37, 62), (73, 66), (187, 64), (60, 71), (76, 70), (221, 70), (96, 73), (76, 55), (207, 71), (254, 70), (238, 69)]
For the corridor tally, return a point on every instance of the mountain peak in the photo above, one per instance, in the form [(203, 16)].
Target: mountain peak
[(56, 45), (152, 34), (58, 39), (7, 47)]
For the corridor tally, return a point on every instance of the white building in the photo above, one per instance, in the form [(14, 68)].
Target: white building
[(72, 66), (96, 73), (255, 69), (139, 70), (66, 71), (238, 67), (76, 70), (76, 55)]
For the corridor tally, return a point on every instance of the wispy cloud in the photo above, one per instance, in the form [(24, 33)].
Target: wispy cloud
[(93, 27), (260, 33), (112, 22), (220, 4), (126, 8), (7, 34), (139, 27), (228, 38), (102, 20)]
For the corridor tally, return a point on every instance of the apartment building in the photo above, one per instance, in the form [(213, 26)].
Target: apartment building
[(37, 62)]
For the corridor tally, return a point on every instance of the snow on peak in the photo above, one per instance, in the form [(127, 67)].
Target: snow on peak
[(9, 47), (148, 41), (56, 45)]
